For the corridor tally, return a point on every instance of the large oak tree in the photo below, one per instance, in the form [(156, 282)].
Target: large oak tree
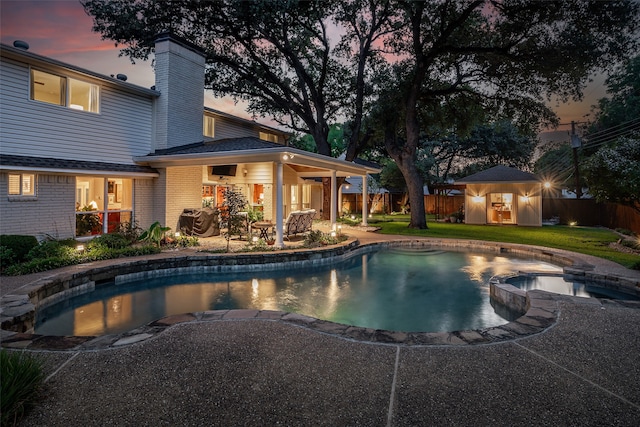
[(509, 56), (302, 63)]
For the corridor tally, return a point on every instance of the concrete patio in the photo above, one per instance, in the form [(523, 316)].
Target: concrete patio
[(240, 368)]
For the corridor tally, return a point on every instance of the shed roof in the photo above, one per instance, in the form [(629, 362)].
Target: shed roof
[(499, 174)]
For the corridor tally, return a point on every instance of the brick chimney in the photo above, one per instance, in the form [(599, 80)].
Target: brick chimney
[(179, 66)]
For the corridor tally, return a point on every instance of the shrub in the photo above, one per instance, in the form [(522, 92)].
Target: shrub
[(7, 258), (19, 245), (183, 241), (38, 265), (633, 244), (53, 249), (130, 231), (112, 241), (625, 231), (71, 257), (317, 238), (21, 378)]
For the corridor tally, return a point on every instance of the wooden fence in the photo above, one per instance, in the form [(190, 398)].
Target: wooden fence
[(441, 205), (589, 212)]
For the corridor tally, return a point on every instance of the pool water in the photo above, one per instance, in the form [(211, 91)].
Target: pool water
[(402, 290), (559, 286)]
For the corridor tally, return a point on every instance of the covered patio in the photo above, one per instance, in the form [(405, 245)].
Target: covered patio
[(274, 178)]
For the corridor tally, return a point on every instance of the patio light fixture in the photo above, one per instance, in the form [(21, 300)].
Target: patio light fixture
[(478, 199), (287, 156)]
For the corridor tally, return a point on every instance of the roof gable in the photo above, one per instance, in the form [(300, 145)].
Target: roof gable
[(499, 174)]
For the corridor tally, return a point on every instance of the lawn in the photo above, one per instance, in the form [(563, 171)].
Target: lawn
[(587, 240)]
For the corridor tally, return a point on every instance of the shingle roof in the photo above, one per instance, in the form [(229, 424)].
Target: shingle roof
[(499, 174), (231, 144), (48, 163)]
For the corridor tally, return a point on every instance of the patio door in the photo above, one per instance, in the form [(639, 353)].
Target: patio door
[(501, 209)]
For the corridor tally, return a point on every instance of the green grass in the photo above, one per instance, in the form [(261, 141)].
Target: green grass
[(586, 240)]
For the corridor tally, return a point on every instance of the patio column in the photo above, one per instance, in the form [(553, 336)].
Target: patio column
[(334, 200), (279, 213), (365, 200)]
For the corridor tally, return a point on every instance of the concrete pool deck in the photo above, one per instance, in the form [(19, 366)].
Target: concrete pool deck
[(246, 370)]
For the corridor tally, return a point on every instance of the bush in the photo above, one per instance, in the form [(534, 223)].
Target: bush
[(21, 378), (633, 244), (72, 257), (130, 231), (19, 245), (112, 241), (183, 241), (38, 265), (625, 231), (317, 238), (53, 249), (7, 257)]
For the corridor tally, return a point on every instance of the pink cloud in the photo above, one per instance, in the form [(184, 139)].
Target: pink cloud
[(50, 27)]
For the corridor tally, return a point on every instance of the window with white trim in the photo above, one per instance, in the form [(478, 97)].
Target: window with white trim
[(208, 126), (64, 91), (102, 205), (22, 184)]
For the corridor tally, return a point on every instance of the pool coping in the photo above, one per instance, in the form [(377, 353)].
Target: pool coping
[(541, 310)]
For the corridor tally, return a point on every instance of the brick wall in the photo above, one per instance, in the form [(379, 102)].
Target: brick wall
[(144, 202), (51, 211), (183, 189), (179, 73)]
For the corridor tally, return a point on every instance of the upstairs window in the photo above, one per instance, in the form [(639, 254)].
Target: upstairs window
[(22, 184), (64, 91), (208, 126), (268, 137)]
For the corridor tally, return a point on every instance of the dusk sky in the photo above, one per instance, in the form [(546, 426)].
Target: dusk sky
[(60, 29)]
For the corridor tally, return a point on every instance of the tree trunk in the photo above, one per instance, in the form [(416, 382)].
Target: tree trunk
[(415, 185)]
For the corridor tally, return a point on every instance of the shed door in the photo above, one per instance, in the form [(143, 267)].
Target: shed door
[(501, 209)]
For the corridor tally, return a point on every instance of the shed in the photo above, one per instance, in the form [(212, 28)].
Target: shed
[(503, 195)]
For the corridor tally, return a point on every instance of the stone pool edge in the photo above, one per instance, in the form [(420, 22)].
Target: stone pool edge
[(18, 311)]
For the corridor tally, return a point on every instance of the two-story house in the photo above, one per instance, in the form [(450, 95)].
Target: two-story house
[(82, 152)]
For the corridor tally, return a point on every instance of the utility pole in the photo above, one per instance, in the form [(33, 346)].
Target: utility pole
[(575, 144)]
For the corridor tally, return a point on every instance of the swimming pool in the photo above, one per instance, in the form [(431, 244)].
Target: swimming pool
[(401, 289)]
